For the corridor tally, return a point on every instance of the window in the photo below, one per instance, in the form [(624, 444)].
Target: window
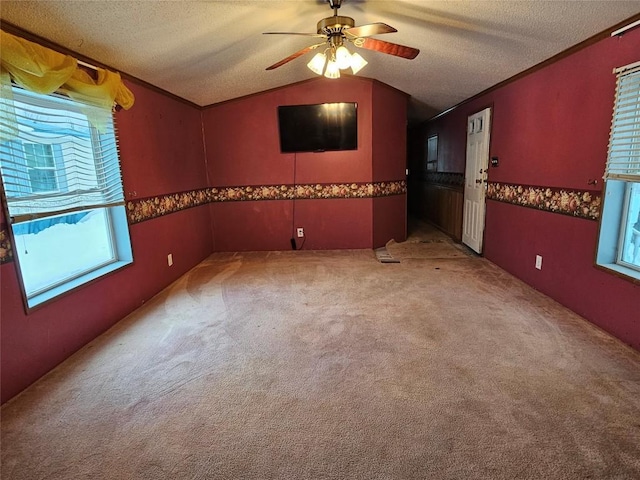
[(619, 242), (63, 191), (431, 164)]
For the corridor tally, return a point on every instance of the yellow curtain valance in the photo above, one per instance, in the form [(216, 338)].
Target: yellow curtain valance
[(42, 70)]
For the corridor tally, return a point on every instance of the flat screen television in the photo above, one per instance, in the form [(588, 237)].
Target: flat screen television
[(318, 128)]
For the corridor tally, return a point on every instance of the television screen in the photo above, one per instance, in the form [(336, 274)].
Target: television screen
[(318, 128)]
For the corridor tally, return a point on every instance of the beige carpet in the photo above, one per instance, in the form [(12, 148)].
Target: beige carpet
[(332, 365)]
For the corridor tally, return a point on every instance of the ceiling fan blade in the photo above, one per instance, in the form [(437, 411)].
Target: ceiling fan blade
[(369, 30), (321, 35), (387, 47), (293, 56)]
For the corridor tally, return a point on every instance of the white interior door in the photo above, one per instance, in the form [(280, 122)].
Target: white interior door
[(476, 179)]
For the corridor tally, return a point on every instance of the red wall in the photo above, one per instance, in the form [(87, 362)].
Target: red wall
[(161, 152), (389, 162), (242, 148), (551, 128)]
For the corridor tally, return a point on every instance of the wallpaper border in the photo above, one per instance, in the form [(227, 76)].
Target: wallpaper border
[(6, 251), (140, 210), (575, 203)]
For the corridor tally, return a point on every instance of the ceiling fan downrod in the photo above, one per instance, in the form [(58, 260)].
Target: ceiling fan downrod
[(333, 26), (335, 5)]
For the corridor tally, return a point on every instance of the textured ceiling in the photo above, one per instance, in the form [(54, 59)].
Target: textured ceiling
[(211, 51)]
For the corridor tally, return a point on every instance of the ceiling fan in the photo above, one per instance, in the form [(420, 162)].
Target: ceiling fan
[(338, 31)]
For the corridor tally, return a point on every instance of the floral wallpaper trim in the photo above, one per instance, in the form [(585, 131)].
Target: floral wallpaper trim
[(6, 251), (576, 203), (139, 210)]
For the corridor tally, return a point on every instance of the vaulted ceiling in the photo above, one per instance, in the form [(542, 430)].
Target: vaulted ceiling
[(211, 51)]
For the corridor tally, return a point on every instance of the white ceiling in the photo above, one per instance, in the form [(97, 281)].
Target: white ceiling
[(214, 50)]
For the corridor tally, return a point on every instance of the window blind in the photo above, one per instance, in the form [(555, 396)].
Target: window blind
[(623, 162), (57, 161)]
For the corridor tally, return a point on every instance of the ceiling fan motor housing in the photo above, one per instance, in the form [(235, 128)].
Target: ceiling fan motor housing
[(334, 25)]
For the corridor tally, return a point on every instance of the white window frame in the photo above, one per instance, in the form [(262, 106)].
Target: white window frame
[(621, 174), (116, 226)]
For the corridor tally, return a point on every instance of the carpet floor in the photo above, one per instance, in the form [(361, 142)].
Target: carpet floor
[(332, 365)]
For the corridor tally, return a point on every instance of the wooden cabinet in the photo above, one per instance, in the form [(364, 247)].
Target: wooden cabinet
[(440, 205)]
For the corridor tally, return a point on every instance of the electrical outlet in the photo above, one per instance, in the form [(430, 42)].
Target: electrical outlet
[(300, 232), (539, 262), (170, 259)]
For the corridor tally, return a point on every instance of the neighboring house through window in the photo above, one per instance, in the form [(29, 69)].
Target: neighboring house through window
[(41, 167)]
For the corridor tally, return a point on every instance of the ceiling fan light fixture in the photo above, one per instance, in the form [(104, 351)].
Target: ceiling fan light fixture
[(343, 57), (316, 65), (332, 71), (357, 63)]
